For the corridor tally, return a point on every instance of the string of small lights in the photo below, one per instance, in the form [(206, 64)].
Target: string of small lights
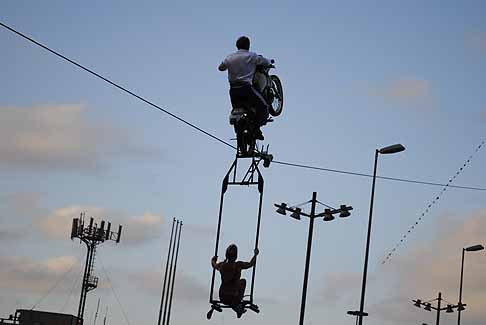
[(429, 207)]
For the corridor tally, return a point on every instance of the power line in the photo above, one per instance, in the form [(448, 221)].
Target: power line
[(380, 177), (426, 211), (180, 119)]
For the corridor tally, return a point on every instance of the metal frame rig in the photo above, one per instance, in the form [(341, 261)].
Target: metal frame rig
[(251, 177), (92, 236)]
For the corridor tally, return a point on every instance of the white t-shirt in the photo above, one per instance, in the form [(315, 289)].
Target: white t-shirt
[(241, 66)]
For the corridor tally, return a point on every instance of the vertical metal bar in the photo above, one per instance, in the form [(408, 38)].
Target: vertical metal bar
[(165, 276), (260, 189), (174, 274), (170, 276), (438, 308), (307, 259), (460, 289), (368, 238), (218, 231)]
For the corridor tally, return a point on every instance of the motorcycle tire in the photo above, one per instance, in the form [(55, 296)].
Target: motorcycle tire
[(276, 96)]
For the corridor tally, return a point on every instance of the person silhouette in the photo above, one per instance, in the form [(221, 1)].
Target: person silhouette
[(232, 287), (241, 66)]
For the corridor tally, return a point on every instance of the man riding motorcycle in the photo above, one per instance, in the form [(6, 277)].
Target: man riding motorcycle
[(241, 66)]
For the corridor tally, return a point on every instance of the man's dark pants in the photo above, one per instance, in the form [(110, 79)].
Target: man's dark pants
[(247, 95)]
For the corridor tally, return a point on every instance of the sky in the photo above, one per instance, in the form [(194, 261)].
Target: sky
[(356, 76)]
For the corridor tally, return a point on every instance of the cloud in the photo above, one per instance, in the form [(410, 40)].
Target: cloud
[(407, 91), (339, 286), (139, 229), (136, 229), (23, 274), (186, 287), (59, 137), (434, 267), (483, 114), (477, 41)]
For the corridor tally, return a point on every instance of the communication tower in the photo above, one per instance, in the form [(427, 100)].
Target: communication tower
[(92, 235)]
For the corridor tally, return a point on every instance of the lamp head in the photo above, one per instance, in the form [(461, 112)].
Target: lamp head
[(449, 309), (328, 215), (417, 303), (281, 208), (474, 248), (391, 149), (296, 213), (461, 307), (344, 212), (428, 306)]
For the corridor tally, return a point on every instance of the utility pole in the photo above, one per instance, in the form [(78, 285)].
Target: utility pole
[(327, 215), (92, 235)]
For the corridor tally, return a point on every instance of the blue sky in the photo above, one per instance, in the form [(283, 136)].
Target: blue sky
[(356, 77)]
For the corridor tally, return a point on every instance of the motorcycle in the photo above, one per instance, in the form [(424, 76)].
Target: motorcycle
[(243, 118)]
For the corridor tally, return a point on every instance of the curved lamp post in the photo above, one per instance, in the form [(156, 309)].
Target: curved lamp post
[(474, 248), (384, 151)]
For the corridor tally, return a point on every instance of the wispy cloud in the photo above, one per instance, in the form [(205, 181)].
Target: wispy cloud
[(24, 274), (477, 41), (483, 114), (410, 92), (59, 137), (187, 287)]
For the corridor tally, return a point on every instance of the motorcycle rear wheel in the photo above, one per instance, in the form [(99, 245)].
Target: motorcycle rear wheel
[(276, 96)]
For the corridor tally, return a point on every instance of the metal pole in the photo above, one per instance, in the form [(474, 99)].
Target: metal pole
[(170, 276), (307, 259), (438, 308), (174, 274), (257, 236), (165, 276), (460, 290), (367, 252), (224, 187), (83, 286)]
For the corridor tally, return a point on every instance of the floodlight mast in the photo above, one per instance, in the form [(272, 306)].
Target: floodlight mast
[(92, 236)]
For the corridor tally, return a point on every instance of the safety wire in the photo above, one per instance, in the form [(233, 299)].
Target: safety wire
[(192, 125), (427, 210), (114, 292), (76, 282), (55, 285)]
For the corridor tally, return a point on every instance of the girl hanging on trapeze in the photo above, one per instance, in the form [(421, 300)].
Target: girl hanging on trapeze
[(232, 287)]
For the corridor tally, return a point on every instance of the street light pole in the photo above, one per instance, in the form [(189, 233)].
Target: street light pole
[(386, 150), (474, 248), (327, 215), (428, 306), (460, 288), (439, 299), (368, 238), (307, 259)]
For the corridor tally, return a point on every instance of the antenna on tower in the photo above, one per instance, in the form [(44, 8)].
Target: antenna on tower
[(92, 236)]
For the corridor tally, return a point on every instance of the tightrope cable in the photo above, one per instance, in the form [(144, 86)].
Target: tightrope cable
[(192, 125)]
